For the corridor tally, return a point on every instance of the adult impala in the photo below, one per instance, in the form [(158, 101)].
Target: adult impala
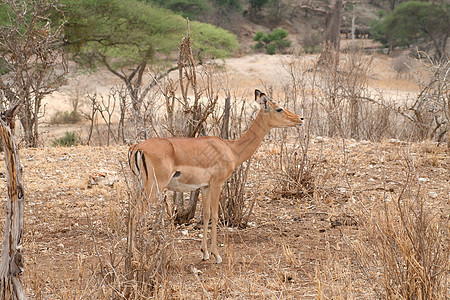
[(186, 164)]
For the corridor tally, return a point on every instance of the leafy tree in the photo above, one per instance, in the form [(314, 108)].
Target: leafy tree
[(377, 28), (273, 42), (187, 8), (415, 22), (118, 33), (131, 31)]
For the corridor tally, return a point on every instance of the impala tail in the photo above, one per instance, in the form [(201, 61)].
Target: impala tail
[(136, 160)]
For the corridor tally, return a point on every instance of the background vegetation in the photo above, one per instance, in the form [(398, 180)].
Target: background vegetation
[(415, 23), (129, 32), (274, 41)]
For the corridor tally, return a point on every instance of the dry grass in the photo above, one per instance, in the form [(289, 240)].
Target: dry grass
[(290, 250)]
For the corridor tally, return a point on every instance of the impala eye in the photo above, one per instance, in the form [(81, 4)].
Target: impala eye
[(279, 110)]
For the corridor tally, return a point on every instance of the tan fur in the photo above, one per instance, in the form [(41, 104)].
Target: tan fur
[(206, 162)]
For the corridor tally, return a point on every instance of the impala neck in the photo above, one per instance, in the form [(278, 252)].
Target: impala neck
[(246, 145)]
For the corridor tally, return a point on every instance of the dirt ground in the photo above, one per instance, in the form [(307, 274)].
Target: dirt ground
[(289, 241), (278, 255)]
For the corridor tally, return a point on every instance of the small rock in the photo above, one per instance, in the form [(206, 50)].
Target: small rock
[(433, 195), (396, 142), (342, 190), (102, 177), (195, 270), (423, 180), (251, 224)]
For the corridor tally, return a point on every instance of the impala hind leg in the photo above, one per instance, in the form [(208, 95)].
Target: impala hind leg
[(206, 204), (215, 194), (152, 187), (145, 181)]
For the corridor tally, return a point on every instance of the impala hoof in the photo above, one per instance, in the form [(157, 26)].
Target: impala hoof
[(218, 259), (205, 255)]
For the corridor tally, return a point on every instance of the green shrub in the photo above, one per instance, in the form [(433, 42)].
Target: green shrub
[(277, 34), (65, 117), (271, 49), (69, 139), (273, 42)]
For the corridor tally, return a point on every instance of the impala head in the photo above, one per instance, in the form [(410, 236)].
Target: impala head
[(277, 116)]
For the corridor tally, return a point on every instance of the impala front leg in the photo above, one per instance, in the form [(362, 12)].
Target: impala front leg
[(206, 204), (215, 193)]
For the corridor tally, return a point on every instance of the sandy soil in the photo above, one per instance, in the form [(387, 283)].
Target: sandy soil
[(287, 242)]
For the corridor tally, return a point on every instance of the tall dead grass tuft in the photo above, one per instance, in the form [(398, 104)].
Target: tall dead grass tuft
[(233, 208), (134, 260), (430, 111), (297, 168), (350, 111), (335, 279), (405, 252), (149, 247)]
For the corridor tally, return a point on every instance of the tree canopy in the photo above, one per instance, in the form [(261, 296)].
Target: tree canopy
[(125, 32), (187, 8), (414, 22)]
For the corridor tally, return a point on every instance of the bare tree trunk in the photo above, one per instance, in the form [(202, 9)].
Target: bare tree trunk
[(11, 265), (333, 25), (354, 117), (448, 121), (27, 122), (353, 28), (332, 32), (185, 214), (226, 118), (34, 67)]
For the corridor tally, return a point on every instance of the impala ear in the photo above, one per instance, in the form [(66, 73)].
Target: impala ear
[(261, 98)]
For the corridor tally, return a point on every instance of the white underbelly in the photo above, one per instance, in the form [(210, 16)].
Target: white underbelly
[(177, 186)]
